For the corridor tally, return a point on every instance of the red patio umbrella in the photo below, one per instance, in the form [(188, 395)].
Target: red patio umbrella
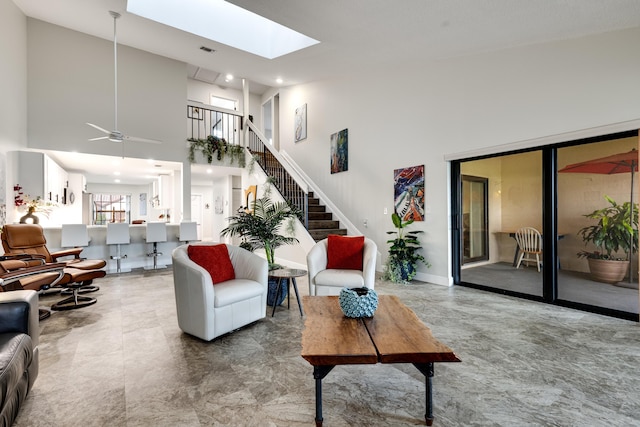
[(609, 165)]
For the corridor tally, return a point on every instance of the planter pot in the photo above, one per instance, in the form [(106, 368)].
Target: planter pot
[(400, 271), (273, 287), (358, 302), (608, 271)]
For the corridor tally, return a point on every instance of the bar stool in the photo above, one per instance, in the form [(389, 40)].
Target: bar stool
[(156, 232), (118, 234), (188, 231), (73, 236)]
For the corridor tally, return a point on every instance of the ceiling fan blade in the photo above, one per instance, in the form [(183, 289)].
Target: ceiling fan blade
[(99, 138), (137, 139), (99, 128)]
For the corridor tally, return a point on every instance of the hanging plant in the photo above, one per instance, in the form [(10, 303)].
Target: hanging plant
[(218, 146)]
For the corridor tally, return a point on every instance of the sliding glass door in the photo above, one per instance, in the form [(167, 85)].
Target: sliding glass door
[(551, 194), (596, 179), (514, 201)]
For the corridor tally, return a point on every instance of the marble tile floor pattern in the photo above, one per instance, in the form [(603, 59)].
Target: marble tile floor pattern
[(125, 362)]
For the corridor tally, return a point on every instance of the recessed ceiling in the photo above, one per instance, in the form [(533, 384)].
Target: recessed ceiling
[(99, 169)]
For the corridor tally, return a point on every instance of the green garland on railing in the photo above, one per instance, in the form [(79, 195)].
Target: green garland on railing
[(212, 145)]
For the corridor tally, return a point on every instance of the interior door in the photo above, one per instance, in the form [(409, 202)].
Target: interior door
[(196, 212), (475, 229)]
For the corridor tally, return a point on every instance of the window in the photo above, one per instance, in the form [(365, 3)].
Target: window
[(224, 125), (111, 208)]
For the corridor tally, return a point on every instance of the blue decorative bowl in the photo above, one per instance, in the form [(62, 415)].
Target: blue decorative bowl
[(358, 302)]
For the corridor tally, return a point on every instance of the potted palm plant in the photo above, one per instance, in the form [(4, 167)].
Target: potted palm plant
[(615, 236), (403, 253), (259, 228)]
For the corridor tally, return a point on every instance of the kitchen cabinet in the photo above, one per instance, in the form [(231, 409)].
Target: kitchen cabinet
[(162, 191), (40, 176)]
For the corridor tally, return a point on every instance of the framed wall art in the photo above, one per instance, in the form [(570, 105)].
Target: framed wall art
[(340, 151), (408, 193), (300, 131)]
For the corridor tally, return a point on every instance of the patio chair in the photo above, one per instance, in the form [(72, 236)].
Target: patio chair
[(529, 243)]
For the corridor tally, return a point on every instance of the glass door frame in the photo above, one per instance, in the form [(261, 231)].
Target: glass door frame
[(549, 225), (485, 219)]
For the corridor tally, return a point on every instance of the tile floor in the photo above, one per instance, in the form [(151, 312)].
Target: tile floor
[(124, 362)]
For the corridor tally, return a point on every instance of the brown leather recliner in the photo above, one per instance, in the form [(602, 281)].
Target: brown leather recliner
[(16, 274), (20, 239), (29, 239)]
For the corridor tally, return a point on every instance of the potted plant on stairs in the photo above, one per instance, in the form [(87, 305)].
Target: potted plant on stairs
[(403, 253), (259, 228), (614, 232)]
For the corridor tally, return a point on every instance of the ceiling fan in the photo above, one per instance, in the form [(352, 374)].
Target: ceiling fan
[(115, 135)]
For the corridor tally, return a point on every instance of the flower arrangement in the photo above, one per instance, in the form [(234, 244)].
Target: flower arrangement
[(26, 203)]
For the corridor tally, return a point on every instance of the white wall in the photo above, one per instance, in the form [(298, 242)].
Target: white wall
[(13, 77), (70, 81), (453, 106), (13, 87)]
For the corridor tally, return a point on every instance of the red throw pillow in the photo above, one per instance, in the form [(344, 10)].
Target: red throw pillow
[(345, 252), (213, 258)]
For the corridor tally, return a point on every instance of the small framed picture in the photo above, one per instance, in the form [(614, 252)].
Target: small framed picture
[(300, 131)]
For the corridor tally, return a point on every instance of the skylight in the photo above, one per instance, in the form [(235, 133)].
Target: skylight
[(224, 23)]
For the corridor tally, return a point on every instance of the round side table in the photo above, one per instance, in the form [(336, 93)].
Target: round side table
[(288, 274)]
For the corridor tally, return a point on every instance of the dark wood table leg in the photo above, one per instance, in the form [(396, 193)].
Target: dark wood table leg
[(275, 299), (319, 372), (295, 288), (427, 370), (516, 252)]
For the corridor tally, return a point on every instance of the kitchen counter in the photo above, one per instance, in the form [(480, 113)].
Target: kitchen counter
[(136, 251)]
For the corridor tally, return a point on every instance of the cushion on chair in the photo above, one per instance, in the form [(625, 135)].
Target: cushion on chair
[(215, 259), (344, 252), (340, 278)]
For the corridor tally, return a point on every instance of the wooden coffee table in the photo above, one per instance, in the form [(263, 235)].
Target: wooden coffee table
[(393, 335)]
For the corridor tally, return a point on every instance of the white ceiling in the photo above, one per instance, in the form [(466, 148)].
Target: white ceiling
[(354, 35)]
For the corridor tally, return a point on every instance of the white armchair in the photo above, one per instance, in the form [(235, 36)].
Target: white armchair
[(323, 281), (207, 311)]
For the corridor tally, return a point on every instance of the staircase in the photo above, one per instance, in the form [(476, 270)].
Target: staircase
[(321, 222), (314, 216)]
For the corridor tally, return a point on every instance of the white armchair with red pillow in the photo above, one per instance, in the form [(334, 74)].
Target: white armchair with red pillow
[(218, 287), (341, 261)]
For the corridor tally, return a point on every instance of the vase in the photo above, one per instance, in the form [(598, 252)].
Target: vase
[(273, 287), (608, 271), (358, 302)]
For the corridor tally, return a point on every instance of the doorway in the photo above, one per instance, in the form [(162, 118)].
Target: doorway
[(196, 212), (475, 227)]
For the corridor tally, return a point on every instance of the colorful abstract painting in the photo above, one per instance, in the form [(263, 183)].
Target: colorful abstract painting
[(340, 151), (408, 186)]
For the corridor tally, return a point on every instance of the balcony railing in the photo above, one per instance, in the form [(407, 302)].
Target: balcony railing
[(204, 120)]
